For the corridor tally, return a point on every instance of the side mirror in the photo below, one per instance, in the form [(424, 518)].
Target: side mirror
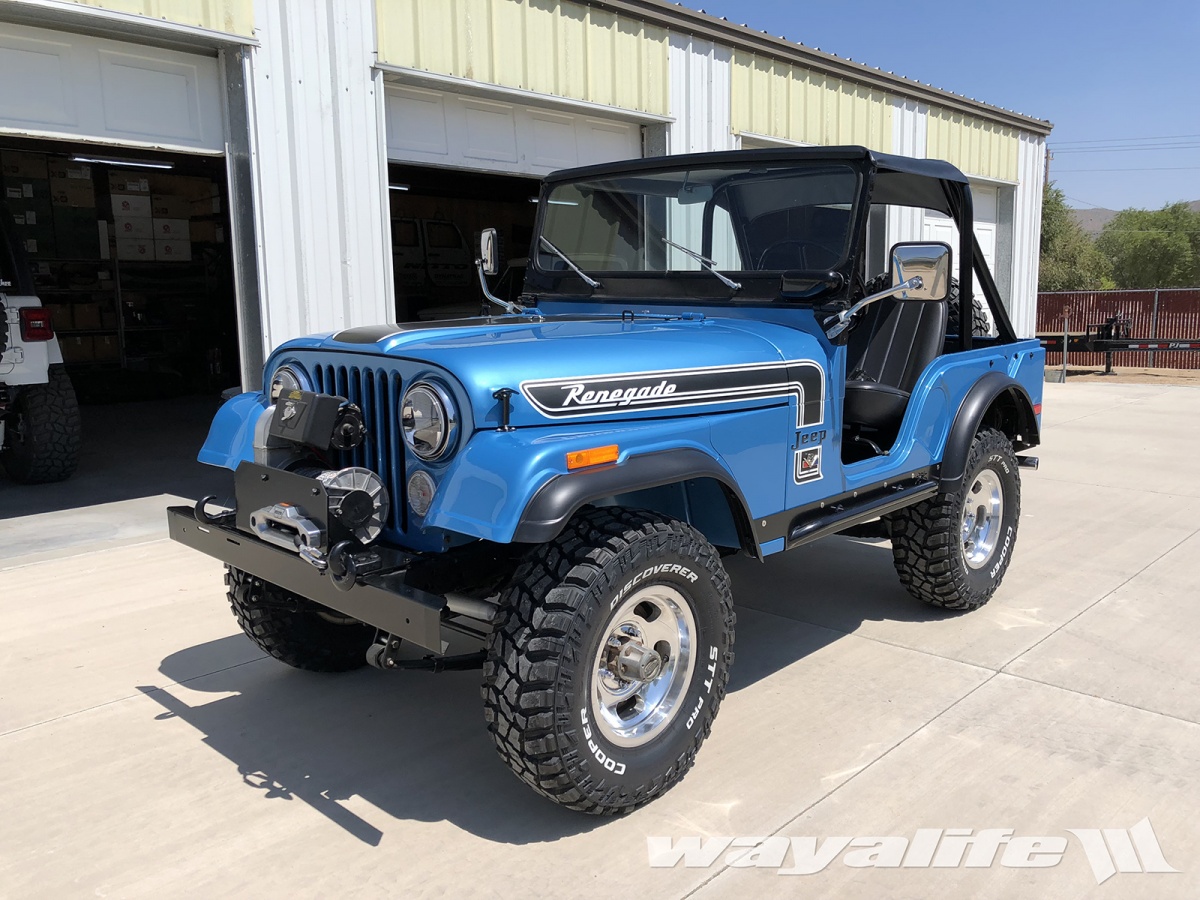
[(929, 262), (487, 252)]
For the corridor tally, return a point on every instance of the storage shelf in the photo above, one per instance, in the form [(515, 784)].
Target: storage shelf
[(68, 333)]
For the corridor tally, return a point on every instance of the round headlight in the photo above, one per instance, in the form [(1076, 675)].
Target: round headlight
[(428, 420), (285, 379)]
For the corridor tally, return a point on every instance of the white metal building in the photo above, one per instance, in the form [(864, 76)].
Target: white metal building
[(309, 112)]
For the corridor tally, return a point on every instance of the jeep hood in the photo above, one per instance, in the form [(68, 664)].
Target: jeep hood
[(580, 369)]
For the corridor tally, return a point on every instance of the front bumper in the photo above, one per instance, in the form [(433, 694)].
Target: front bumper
[(383, 600)]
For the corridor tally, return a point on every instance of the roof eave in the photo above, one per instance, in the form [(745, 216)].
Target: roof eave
[(680, 18)]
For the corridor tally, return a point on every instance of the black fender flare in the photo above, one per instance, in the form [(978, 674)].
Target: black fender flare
[(556, 501), (980, 398)]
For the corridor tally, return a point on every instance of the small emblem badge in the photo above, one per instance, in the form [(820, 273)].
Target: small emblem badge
[(808, 465)]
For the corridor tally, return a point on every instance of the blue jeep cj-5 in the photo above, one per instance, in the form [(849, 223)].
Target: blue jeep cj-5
[(712, 354)]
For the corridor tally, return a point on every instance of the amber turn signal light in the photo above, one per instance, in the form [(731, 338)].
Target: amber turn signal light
[(596, 456)]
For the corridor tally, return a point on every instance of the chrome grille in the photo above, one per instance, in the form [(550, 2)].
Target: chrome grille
[(376, 392)]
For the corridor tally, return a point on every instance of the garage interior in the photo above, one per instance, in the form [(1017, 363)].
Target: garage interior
[(435, 215), (130, 252)]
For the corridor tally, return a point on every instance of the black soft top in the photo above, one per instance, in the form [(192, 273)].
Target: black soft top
[(882, 162)]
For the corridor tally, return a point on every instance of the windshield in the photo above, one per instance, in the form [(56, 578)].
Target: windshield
[(774, 217)]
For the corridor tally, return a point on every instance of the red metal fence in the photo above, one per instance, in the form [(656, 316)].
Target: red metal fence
[(1166, 313)]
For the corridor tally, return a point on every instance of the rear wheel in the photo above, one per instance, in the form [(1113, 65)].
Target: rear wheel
[(295, 630), (609, 660), (953, 549), (41, 433)]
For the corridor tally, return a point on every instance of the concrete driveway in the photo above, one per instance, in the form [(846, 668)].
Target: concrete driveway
[(147, 749)]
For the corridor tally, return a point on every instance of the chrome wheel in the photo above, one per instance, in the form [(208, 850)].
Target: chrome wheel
[(643, 666), (983, 511)]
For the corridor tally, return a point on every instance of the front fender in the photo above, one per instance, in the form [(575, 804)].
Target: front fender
[(515, 486), (231, 435)]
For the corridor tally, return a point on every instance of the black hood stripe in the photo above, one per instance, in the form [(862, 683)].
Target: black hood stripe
[(571, 398)]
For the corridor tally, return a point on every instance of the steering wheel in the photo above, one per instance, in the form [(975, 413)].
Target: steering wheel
[(802, 247)]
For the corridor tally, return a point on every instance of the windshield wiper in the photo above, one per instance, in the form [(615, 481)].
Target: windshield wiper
[(709, 264), (588, 280)]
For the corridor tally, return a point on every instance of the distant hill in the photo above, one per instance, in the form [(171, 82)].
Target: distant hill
[(1093, 220)]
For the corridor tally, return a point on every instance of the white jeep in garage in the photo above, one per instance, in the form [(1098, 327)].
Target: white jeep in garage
[(39, 417)]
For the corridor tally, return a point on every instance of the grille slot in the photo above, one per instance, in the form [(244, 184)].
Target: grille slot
[(376, 392)]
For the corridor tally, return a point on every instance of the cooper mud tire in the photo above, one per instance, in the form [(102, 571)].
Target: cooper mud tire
[(953, 549), (41, 435), (609, 659), (295, 630)]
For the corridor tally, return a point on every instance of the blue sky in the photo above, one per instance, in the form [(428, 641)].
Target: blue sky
[(1112, 74)]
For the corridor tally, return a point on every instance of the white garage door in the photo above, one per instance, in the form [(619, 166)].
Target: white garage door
[(57, 84), (942, 228), (447, 129)]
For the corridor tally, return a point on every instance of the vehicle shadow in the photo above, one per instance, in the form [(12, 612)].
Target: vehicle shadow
[(128, 451), (413, 744)]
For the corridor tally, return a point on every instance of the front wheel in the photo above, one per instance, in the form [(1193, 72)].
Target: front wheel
[(609, 659), (953, 549), (295, 630)]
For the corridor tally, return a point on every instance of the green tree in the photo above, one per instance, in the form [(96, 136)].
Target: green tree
[(1069, 260), (1153, 248)]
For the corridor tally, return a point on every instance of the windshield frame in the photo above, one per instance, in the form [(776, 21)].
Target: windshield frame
[(699, 285)]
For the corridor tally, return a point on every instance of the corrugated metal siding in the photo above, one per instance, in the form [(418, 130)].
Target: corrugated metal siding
[(976, 146), (320, 168), (563, 49), (1178, 317), (699, 96), (1027, 233), (776, 99), (909, 136), (230, 16)]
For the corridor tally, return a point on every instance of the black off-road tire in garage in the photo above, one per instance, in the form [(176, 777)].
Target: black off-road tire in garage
[(609, 659), (295, 630), (41, 437), (953, 549)]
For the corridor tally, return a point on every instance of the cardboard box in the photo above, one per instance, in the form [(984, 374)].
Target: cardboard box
[(87, 317), (77, 348), (32, 213), (106, 348), (207, 231), (133, 227), (60, 316), (170, 206), (108, 315), (63, 167), (125, 182), (190, 186), (75, 233), (72, 192), (131, 205), (173, 251), (172, 229), (19, 189), (135, 248), (206, 205), (23, 165), (42, 245)]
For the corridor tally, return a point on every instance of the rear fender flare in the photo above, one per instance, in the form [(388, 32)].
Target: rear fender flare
[(996, 398)]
